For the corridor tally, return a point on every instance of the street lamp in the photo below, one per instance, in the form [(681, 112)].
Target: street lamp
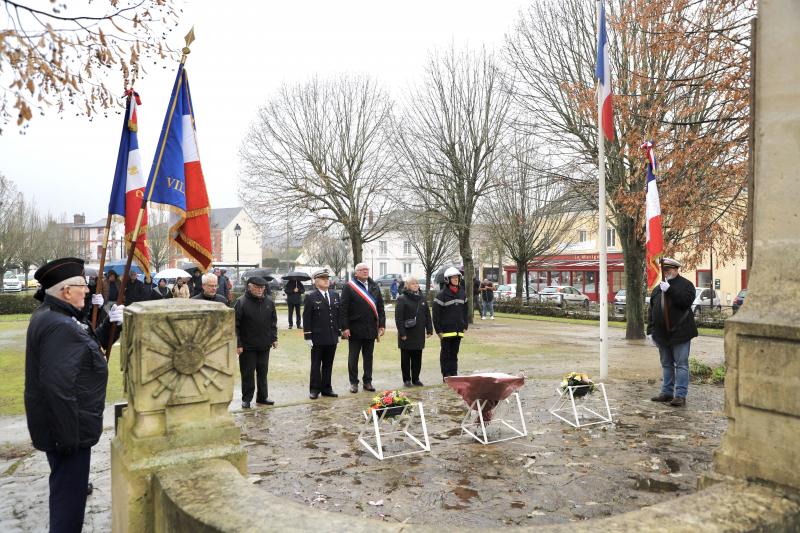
[(113, 242), (237, 230)]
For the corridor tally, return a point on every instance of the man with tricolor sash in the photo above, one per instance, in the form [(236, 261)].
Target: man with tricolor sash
[(363, 321)]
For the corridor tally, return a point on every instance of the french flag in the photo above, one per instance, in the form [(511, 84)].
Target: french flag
[(603, 74), (128, 188), (654, 247), (177, 179)]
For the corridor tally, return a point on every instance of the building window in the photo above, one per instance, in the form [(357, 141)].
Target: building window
[(703, 278), (407, 248), (583, 235), (406, 268), (611, 237), (382, 267), (383, 249)]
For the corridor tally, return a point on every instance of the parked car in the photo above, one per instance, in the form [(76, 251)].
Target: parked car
[(619, 302), (385, 281), (11, 283), (563, 293), (739, 300), (707, 298), (505, 292)]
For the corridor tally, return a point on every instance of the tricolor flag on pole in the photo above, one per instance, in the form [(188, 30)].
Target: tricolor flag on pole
[(128, 188), (603, 74), (177, 178), (654, 235)]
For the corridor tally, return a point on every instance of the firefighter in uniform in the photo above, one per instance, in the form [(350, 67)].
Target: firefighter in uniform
[(450, 320)]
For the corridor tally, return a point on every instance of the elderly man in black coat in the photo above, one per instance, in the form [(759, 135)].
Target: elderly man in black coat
[(321, 332), (363, 321), (670, 322), (65, 385), (412, 316), (256, 333)]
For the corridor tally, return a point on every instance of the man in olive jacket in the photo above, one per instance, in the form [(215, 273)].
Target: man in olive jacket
[(256, 333), (65, 385), (363, 321), (670, 322)]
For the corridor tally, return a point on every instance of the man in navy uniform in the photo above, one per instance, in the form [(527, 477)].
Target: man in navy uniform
[(321, 331), (65, 385), (363, 321)]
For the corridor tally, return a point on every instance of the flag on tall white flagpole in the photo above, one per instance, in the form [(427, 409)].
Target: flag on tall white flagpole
[(603, 74)]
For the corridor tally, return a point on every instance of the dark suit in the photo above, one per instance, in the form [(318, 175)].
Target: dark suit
[(359, 317), (294, 299), (321, 326)]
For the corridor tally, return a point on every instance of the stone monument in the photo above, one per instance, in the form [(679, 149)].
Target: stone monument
[(178, 358), (762, 342)]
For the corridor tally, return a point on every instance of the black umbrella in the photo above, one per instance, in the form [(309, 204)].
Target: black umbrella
[(296, 274), (261, 272)]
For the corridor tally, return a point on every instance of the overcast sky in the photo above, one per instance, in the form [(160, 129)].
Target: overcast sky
[(244, 51)]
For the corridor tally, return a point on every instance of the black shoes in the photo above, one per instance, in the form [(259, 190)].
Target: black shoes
[(369, 387), (245, 405), (678, 402), (354, 388), (407, 384), (313, 395), (265, 402), (417, 383), (661, 398), (290, 326), (330, 394)]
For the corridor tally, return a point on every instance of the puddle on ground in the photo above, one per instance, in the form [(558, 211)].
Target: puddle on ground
[(552, 475)]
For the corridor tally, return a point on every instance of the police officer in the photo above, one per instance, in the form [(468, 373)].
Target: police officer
[(256, 333), (321, 331), (65, 385), (450, 320), (363, 321)]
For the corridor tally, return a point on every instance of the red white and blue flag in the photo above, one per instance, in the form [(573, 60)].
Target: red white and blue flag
[(654, 248), (177, 177), (603, 74), (128, 188), (367, 297)]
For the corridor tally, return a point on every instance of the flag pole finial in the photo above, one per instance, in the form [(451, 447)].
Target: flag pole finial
[(189, 39)]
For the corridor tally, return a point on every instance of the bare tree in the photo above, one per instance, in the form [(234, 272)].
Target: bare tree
[(30, 236), (11, 203), (531, 212), (679, 72), (158, 240), (322, 148), (448, 143), (61, 59), (324, 249), (433, 241)]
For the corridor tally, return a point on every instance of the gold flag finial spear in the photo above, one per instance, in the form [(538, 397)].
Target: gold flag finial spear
[(189, 40)]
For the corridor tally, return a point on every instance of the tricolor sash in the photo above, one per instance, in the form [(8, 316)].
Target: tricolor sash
[(365, 295)]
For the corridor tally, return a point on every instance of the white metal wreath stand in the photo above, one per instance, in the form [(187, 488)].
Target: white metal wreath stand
[(567, 405), (413, 419), (474, 417)]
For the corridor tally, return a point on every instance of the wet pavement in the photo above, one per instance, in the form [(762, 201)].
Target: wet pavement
[(649, 454)]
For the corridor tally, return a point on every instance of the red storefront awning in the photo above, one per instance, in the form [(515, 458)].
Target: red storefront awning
[(574, 262)]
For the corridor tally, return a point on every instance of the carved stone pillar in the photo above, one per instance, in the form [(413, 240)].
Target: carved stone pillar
[(179, 359), (762, 342)]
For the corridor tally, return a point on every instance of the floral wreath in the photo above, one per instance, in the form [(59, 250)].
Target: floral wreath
[(388, 398), (574, 379)]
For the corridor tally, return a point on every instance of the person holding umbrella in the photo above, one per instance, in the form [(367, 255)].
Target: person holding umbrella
[(294, 295)]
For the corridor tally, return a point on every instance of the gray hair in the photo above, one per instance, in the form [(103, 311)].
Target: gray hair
[(411, 279), (361, 265), (208, 278), (55, 290)]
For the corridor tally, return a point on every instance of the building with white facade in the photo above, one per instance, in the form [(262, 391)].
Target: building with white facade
[(224, 242)]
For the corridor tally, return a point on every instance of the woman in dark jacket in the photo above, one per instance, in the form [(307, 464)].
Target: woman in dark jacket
[(411, 305)]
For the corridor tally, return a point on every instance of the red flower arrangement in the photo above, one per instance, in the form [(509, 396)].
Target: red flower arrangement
[(389, 399)]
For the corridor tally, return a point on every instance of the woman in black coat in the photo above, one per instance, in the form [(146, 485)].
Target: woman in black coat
[(411, 305)]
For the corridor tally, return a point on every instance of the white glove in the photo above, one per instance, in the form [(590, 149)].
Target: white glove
[(310, 343), (97, 299), (664, 286), (116, 314), (649, 341)]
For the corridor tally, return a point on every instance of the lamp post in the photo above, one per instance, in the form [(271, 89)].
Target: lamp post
[(237, 230), (113, 243)]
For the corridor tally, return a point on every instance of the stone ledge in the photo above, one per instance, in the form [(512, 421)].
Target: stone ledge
[(214, 497)]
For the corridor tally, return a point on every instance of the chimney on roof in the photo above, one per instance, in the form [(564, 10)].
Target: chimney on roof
[(79, 218)]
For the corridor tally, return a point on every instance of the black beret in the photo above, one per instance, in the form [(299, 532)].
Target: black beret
[(58, 270), (257, 280)]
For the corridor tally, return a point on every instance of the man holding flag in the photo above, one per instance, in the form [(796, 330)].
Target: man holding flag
[(670, 321)]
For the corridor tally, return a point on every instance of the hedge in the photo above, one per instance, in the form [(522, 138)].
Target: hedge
[(12, 304)]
